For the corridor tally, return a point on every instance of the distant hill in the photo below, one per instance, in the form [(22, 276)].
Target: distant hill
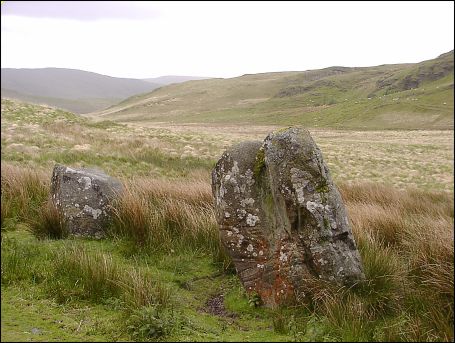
[(74, 90), (169, 79), (399, 96)]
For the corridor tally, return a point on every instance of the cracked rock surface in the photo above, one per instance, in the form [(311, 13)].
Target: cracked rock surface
[(83, 198), (281, 218)]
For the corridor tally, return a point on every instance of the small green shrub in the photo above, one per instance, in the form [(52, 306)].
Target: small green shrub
[(151, 322), (254, 300), (281, 323)]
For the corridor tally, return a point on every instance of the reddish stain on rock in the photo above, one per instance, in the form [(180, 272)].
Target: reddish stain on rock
[(281, 217)]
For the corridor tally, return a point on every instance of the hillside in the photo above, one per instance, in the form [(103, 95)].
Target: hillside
[(75, 90), (400, 96), (169, 79)]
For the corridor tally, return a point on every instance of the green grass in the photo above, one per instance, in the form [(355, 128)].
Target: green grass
[(155, 275), (81, 281), (29, 315)]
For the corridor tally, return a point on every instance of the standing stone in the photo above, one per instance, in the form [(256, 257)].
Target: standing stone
[(281, 218), (82, 197)]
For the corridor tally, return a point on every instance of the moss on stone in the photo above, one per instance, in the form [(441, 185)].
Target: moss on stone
[(283, 129), (268, 202), (322, 187), (259, 163), (326, 223)]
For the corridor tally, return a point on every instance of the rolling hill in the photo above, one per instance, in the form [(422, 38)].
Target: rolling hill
[(75, 90), (399, 96), (169, 79)]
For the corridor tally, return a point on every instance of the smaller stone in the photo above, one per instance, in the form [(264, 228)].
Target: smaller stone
[(83, 198)]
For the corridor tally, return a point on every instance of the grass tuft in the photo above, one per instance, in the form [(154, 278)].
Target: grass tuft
[(49, 223), (83, 274), (23, 192), (162, 217)]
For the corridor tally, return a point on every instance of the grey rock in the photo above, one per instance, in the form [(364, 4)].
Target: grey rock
[(83, 198), (282, 219)]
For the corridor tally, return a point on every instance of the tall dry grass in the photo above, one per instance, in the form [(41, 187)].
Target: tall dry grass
[(25, 199), (410, 235), (416, 224), (164, 216), (405, 238), (23, 191)]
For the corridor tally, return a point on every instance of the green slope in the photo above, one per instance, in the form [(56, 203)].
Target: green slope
[(168, 79), (405, 96)]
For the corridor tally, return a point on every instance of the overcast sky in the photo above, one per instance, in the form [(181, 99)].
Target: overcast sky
[(220, 39)]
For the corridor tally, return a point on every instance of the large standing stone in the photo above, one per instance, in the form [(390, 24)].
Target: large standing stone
[(281, 218), (82, 197)]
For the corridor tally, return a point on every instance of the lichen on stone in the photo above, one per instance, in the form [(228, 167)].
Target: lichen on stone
[(251, 219), (83, 198)]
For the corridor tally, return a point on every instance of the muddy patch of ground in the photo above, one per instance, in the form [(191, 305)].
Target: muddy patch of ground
[(215, 306)]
